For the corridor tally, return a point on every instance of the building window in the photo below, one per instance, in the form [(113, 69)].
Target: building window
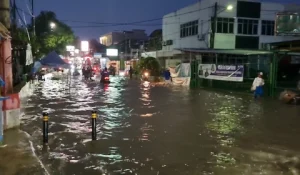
[(189, 29), (225, 25), (267, 27), (247, 26)]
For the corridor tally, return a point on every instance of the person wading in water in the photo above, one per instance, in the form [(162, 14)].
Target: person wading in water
[(257, 86)]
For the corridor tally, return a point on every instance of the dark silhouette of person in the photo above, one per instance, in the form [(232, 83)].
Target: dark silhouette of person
[(130, 72)]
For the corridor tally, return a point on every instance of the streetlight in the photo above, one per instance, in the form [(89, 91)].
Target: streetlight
[(52, 25), (229, 7)]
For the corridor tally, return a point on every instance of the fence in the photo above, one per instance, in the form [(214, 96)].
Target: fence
[(251, 64)]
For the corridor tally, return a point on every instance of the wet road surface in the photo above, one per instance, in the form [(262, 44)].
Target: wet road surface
[(161, 130)]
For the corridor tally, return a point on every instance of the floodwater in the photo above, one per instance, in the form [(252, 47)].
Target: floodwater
[(150, 129)]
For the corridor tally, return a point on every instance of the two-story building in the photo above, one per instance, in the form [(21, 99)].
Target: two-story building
[(220, 24)]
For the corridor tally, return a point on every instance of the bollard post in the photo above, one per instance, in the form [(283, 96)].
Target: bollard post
[(45, 128), (94, 132)]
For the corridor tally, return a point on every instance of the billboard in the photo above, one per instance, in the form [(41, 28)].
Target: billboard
[(112, 52), (70, 48), (84, 46), (221, 72), (287, 24)]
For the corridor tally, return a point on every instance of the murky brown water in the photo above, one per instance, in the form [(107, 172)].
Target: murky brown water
[(145, 129)]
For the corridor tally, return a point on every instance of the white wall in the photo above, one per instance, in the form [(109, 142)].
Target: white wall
[(203, 11)]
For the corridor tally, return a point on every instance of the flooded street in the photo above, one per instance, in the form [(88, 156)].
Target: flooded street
[(158, 130)]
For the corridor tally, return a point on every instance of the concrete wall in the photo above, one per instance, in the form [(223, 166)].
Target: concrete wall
[(12, 107)]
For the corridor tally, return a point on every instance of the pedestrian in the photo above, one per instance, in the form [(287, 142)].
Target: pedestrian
[(167, 76), (257, 86), (130, 72)]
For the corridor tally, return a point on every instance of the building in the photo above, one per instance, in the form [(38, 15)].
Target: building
[(111, 38), (238, 25), (114, 38)]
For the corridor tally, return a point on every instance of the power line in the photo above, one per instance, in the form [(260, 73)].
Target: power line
[(134, 23), (141, 21)]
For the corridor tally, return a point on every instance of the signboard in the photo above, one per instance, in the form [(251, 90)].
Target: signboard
[(97, 55), (84, 46), (221, 72), (112, 52), (29, 57), (287, 24), (70, 48)]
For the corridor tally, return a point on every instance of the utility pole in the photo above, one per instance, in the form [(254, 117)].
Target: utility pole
[(32, 17), (14, 16), (5, 13), (5, 44), (213, 27)]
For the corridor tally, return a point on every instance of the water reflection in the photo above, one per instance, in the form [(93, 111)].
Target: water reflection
[(227, 115), (152, 129)]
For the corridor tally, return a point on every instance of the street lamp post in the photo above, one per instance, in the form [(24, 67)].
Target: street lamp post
[(214, 24), (52, 25)]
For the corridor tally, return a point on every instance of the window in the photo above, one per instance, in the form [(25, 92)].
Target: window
[(189, 29), (267, 27), (247, 26), (225, 25)]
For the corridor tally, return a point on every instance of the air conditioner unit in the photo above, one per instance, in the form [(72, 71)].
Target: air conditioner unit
[(201, 37), (164, 43)]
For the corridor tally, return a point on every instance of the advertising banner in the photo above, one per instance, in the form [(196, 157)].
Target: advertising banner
[(221, 72)]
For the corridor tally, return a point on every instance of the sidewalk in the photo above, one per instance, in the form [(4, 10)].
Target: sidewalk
[(16, 157)]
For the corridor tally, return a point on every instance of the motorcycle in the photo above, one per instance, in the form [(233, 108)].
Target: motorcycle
[(290, 97), (105, 79), (145, 76)]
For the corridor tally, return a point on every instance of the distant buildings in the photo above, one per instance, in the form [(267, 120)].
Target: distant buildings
[(114, 38)]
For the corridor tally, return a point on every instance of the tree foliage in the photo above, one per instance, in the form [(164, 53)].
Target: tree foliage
[(48, 39), (155, 40), (151, 64)]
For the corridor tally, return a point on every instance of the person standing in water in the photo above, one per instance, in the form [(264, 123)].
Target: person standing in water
[(257, 86), (130, 72), (167, 75)]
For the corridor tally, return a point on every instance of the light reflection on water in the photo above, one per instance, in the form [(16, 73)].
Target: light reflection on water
[(150, 129)]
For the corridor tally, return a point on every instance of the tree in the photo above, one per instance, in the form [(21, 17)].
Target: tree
[(151, 64), (49, 38), (155, 40)]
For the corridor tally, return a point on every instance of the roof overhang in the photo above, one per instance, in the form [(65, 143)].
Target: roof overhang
[(4, 32), (284, 42), (227, 51)]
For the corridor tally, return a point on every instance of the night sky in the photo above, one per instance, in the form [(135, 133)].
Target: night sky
[(109, 11)]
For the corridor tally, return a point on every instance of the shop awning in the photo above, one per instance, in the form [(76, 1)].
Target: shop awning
[(227, 51), (4, 33)]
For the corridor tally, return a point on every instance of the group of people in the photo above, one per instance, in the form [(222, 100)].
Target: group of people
[(87, 72)]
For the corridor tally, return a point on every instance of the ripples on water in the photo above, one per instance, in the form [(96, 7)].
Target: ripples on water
[(148, 129)]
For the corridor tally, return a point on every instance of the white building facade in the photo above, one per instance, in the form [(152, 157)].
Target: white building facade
[(239, 25)]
